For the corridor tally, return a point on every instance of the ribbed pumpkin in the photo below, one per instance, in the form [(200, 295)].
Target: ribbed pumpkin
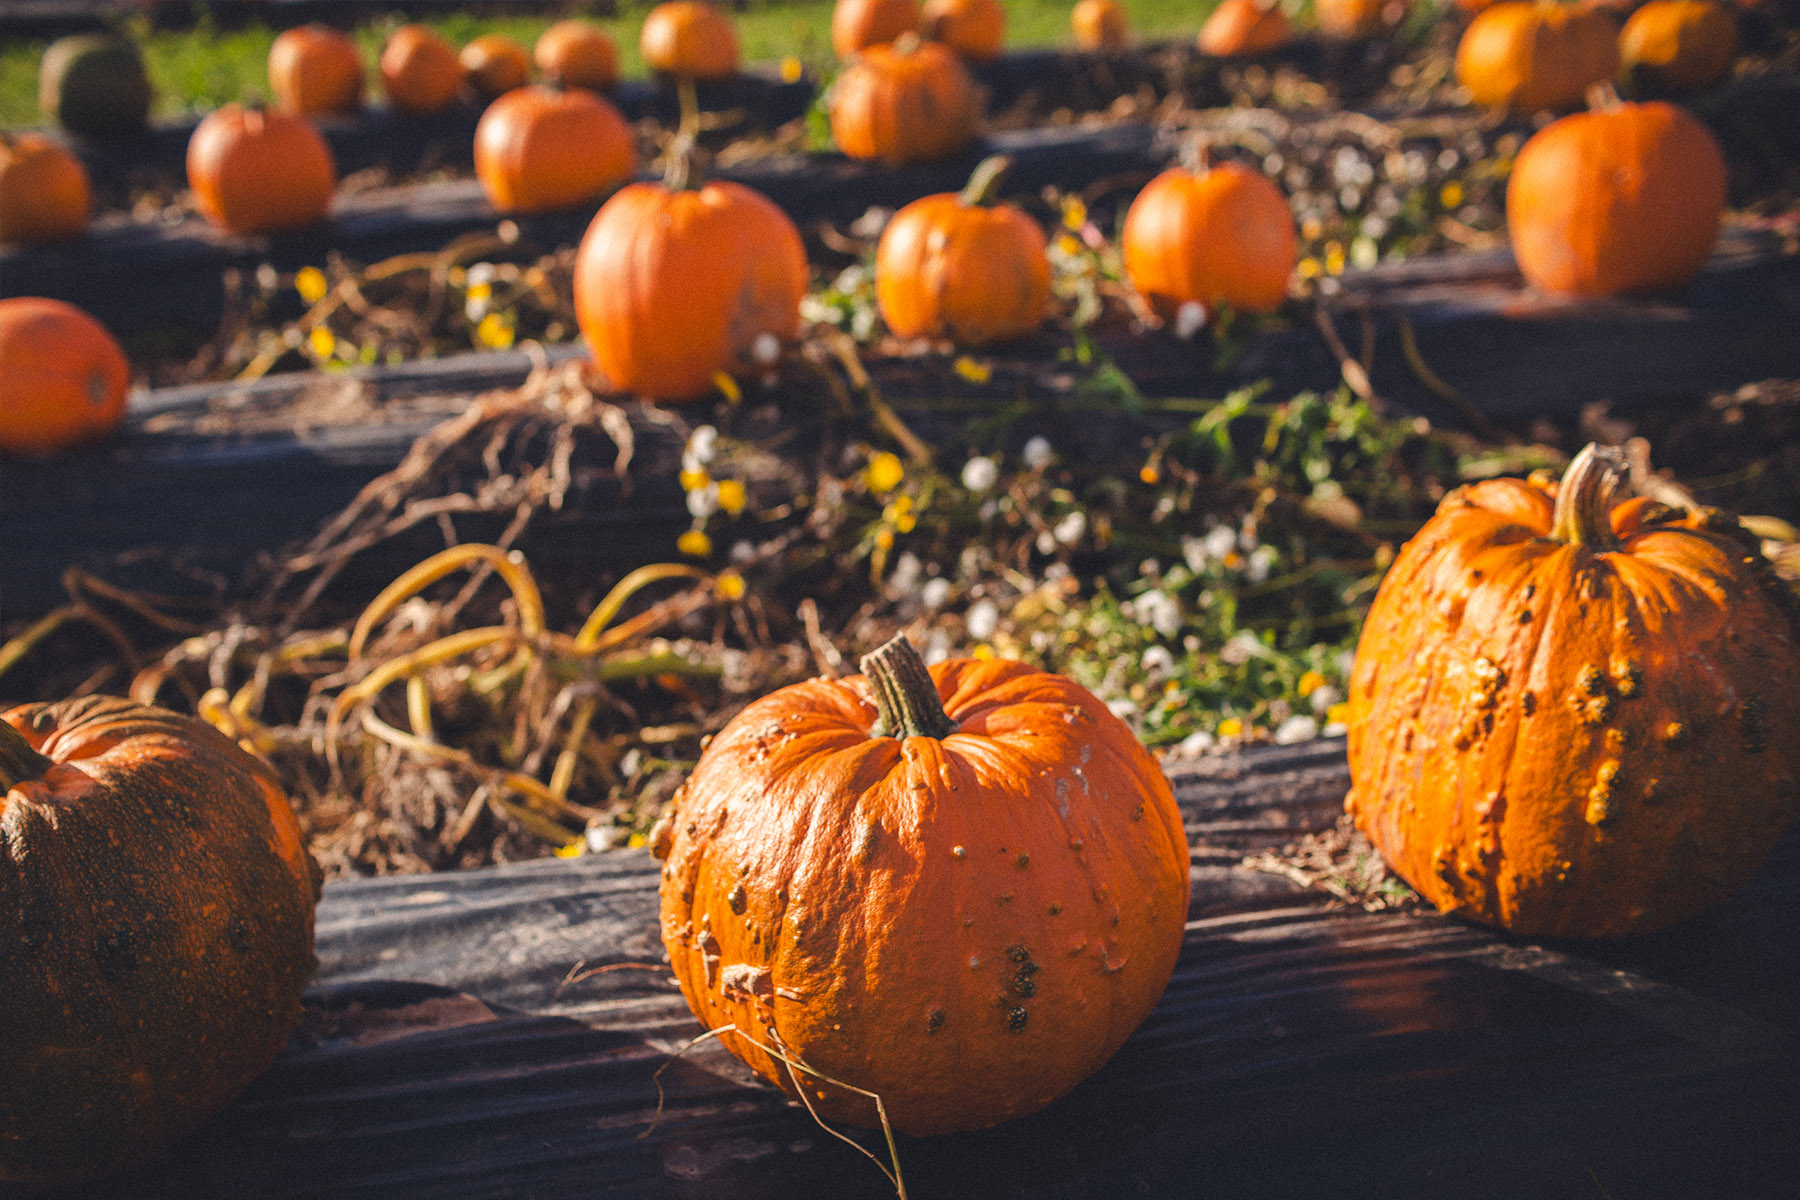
[(255, 170), (959, 888), (690, 39), (577, 53), (315, 69), (958, 265), (675, 283), (420, 71), (1678, 45), (156, 921), (1533, 54), (1240, 28), (493, 64), (65, 376), (859, 23), (1212, 235), (94, 84), (908, 102), (1100, 25), (975, 29), (44, 190), (540, 148), (1574, 717), (1619, 200)]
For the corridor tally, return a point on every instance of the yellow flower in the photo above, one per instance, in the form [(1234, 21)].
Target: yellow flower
[(974, 372), (1308, 268), (983, 651), (637, 841), (694, 543), (693, 481), (323, 341), (727, 386), (1231, 727), (1451, 195), (906, 523), (884, 472), (310, 283), (1338, 713), (729, 586), (1309, 683), (574, 849), (732, 496), (1074, 212), (790, 69), (1334, 258), (480, 291), (495, 332)]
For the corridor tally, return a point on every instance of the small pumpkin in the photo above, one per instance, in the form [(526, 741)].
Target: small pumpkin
[(1354, 19), (1572, 715), (539, 148), (315, 69), (494, 64), (1627, 198), (95, 84), (690, 39), (420, 71), (256, 170), (577, 53), (1209, 235), (1532, 54), (65, 376), (1100, 25), (44, 191), (909, 102), (677, 281), (958, 265), (1678, 45), (975, 29), (959, 888), (1241, 28), (859, 23), (156, 920)]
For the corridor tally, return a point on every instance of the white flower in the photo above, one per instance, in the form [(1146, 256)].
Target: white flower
[(1220, 541), (1037, 453), (936, 593), (1193, 552), (1323, 697), (907, 570), (1122, 708), (1068, 531), (1157, 662), (702, 445), (980, 473), (1334, 729), (704, 501), (983, 618), (1198, 742), (1046, 542), (1261, 562), (1160, 611), (742, 551), (1296, 729), (1240, 649)]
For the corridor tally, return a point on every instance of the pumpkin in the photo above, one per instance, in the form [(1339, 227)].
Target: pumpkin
[(1619, 200), (44, 190), (1678, 45), (908, 102), (540, 148), (420, 71), (65, 376), (676, 282), (255, 170), (494, 64), (1238, 28), (975, 29), (691, 39), (94, 84), (1100, 25), (859, 23), (156, 920), (1209, 236), (1572, 716), (960, 266), (315, 69), (959, 888), (1531, 54), (1352, 19), (577, 53)]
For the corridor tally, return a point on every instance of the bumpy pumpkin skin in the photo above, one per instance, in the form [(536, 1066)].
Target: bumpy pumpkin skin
[(44, 191), (156, 920), (259, 170), (66, 377), (970, 272), (967, 926), (1569, 740), (1218, 235), (537, 149), (908, 102)]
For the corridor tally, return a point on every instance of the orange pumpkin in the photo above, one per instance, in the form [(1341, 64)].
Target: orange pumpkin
[(960, 266), (65, 376), (1532, 54), (957, 888), (975, 29), (1218, 235), (691, 39), (1624, 199), (256, 170), (1100, 25), (315, 69), (859, 23), (1572, 717), (1678, 45), (540, 148), (158, 934), (44, 191), (493, 64), (419, 70), (1238, 28), (676, 283), (1350, 19), (577, 53), (908, 102)]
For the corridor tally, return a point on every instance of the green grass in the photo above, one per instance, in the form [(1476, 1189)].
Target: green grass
[(199, 69)]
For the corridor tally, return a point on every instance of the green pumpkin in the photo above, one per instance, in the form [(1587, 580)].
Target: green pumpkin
[(94, 84)]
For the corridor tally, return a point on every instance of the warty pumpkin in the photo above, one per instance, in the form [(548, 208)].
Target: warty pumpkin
[(315, 69), (539, 148), (66, 377), (961, 266), (257, 170), (577, 53), (1239, 28), (44, 191), (959, 888), (975, 29), (1211, 235), (1100, 25), (1627, 198), (1678, 45), (95, 84), (908, 102), (691, 39), (493, 64), (156, 921), (1572, 716), (420, 71), (1531, 54), (859, 23)]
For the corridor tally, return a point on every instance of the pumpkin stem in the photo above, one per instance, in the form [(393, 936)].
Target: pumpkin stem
[(1196, 155), (905, 697), (984, 182), (908, 42), (1604, 97), (1585, 498), (684, 172), (18, 761)]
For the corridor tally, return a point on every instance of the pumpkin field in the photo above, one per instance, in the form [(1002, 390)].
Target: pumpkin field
[(865, 597)]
